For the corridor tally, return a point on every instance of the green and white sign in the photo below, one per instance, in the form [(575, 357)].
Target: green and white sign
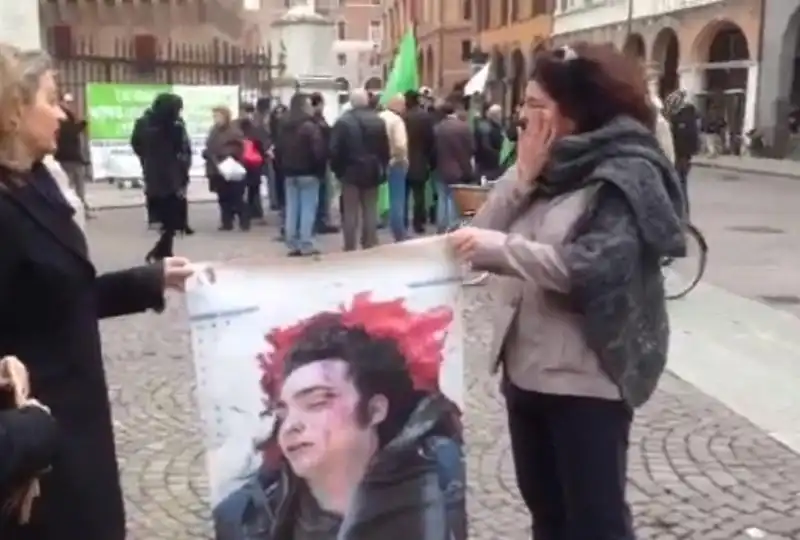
[(114, 108)]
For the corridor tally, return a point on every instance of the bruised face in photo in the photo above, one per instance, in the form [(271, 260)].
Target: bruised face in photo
[(323, 420)]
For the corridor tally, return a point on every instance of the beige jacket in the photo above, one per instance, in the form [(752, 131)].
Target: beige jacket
[(537, 335), (398, 138)]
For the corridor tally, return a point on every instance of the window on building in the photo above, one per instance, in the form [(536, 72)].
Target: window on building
[(514, 14), (503, 12), (375, 31), (376, 2), (341, 58), (539, 7), (341, 30), (467, 10), (466, 50)]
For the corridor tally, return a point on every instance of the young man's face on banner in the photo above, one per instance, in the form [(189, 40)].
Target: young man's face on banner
[(323, 423)]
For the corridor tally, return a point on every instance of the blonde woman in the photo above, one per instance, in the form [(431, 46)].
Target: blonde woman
[(51, 297)]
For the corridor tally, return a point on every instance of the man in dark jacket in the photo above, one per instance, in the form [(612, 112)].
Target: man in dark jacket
[(303, 155), (489, 134), (137, 144), (421, 157), (323, 224), (455, 146), (359, 158), (166, 157), (685, 125), (69, 152)]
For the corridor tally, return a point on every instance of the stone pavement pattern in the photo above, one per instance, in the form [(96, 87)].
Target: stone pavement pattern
[(698, 471)]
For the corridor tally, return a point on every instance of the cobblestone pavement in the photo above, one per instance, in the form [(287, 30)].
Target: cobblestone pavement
[(697, 470)]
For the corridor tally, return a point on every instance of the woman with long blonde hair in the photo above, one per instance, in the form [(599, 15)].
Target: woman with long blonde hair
[(51, 297)]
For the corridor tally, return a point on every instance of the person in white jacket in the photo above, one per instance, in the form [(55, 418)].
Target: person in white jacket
[(663, 130)]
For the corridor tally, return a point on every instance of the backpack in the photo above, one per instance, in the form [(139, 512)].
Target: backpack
[(251, 156)]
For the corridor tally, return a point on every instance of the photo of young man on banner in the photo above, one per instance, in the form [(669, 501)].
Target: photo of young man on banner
[(362, 440)]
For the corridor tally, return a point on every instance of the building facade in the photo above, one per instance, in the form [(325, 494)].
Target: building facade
[(710, 48), (445, 39), (169, 41), (355, 59), (779, 84), (511, 32)]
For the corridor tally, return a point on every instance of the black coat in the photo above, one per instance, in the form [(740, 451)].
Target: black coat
[(162, 144), (421, 145), (51, 299)]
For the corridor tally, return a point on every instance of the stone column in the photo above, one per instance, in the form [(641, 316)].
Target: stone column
[(19, 24), (307, 37), (750, 100)]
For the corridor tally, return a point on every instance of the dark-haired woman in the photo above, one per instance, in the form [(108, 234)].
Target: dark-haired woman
[(575, 232)]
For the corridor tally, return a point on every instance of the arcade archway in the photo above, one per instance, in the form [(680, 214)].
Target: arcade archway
[(666, 54)]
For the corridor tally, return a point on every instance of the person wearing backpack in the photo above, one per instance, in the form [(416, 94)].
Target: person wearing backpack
[(359, 150)]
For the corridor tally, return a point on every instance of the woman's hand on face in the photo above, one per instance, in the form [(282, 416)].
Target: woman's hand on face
[(176, 271), (466, 241), (533, 144)]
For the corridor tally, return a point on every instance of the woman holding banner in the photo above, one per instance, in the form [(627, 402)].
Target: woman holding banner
[(576, 232), (51, 297)]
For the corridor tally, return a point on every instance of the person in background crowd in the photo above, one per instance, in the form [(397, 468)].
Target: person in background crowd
[(137, 144), (685, 124), (166, 157), (278, 197), (263, 121), (489, 135), (69, 153), (254, 153), (323, 225), (455, 146), (575, 233), (184, 227), (359, 158), (51, 297), (301, 145), (398, 165), (226, 140), (421, 157)]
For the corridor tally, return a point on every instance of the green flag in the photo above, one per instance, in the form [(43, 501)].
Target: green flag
[(506, 149), (403, 77)]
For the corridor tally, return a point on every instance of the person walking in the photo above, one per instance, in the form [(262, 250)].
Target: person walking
[(226, 141), (455, 146), (137, 145), (166, 157), (51, 297), (684, 122), (575, 233), (301, 145), (69, 152), (398, 165), (359, 157)]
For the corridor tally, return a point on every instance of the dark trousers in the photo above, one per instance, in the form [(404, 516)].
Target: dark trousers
[(170, 212), (419, 213), (150, 207), (253, 196), (570, 456), (684, 166), (323, 208), (280, 187), (232, 205)]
